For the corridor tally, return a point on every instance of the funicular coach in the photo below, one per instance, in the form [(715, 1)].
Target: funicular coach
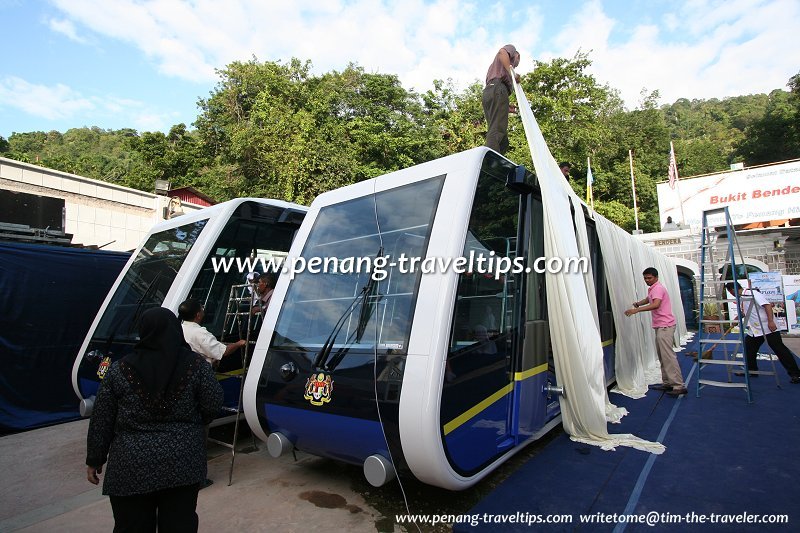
[(444, 374)]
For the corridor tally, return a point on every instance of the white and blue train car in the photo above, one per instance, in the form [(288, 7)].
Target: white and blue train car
[(442, 370), (176, 261)]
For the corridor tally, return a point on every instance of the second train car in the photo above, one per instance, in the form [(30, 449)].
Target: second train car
[(175, 262), (441, 370)]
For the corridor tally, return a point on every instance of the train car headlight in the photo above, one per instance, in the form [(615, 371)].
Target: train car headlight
[(94, 356)]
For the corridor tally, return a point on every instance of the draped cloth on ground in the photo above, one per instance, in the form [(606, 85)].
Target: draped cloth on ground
[(574, 333)]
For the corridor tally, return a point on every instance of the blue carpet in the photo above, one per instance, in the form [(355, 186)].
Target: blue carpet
[(724, 456)]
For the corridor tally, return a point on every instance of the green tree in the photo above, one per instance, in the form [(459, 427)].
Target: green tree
[(30, 144), (616, 212), (644, 133), (458, 117), (706, 132), (292, 135), (273, 129), (573, 111), (776, 135), (176, 157)]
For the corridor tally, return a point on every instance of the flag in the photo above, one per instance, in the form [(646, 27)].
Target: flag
[(589, 182), (673, 167)]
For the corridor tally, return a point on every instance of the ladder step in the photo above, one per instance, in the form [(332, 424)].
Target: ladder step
[(232, 374), (720, 341), (721, 362), (221, 421), (728, 321), (713, 383), (221, 443)]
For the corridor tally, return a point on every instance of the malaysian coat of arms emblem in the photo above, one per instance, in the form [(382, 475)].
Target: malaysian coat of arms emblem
[(319, 388), (103, 368)]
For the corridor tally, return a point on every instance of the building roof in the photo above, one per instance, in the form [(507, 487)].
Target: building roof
[(192, 196)]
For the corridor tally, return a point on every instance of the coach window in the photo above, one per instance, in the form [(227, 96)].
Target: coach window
[(363, 229), (254, 231), (147, 281)]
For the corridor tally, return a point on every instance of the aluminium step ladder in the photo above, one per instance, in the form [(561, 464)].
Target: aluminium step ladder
[(240, 324), (712, 291)]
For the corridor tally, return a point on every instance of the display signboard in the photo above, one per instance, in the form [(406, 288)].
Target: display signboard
[(791, 287), (752, 195), (771, 286)]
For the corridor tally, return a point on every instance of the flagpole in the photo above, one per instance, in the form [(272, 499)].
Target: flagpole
[(633, 188), (589, 182)]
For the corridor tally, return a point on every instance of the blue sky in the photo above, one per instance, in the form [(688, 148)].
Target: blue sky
[(144, 63)]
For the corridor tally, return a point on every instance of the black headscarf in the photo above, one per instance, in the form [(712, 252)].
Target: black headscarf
[(161, 356)]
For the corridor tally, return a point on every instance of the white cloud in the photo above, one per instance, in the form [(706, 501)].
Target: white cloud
[(65, 27), (716, 49), (60, 102), (415, 39), (50, 102), (696, 49), (152, 121)]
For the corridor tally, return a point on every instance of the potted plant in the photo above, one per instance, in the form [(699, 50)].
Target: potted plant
[(711, 312)]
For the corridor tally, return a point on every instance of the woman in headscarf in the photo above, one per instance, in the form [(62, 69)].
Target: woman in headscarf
[(148, 422)]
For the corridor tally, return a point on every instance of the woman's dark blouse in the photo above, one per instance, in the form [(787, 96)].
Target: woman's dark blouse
[(152, 445)]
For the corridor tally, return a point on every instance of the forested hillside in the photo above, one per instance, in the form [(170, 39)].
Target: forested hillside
[(276, 130)]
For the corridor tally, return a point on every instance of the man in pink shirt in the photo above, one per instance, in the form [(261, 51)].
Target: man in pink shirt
[(658, 303)]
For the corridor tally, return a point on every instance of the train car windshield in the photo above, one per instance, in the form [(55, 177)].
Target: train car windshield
[(347, 238), (147, 281), (261, 233)]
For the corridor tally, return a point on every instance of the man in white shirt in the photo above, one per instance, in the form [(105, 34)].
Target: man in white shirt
[(761, 325), (202, 341)]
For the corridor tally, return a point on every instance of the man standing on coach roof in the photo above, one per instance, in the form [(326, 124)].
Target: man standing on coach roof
[(495, 97), (659, 304)]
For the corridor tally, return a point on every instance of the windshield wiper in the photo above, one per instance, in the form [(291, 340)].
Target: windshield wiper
[(362, 296), (368, 301), (138, 311)]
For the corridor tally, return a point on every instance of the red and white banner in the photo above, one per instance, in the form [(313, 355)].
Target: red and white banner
[(752, 195)]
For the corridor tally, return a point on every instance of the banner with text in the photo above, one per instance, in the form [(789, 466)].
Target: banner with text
[(752, 195)]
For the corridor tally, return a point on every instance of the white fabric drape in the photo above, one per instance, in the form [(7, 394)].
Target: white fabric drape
[(629, 343), (612, 412), (574, 333)]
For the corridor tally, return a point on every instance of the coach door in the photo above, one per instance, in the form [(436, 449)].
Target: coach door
[(477, 410)]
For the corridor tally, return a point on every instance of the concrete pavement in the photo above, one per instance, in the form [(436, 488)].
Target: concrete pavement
[(45, 489)]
